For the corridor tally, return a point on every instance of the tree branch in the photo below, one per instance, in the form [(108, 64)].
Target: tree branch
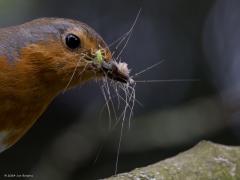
[(204, 161)]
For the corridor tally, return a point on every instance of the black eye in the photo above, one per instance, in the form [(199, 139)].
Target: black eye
[(72, 41)]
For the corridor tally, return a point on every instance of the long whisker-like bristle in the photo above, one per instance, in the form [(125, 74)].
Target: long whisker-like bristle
[(130, 33), (71, 78), (125, 36), (167, 80), (148, 68), (121, 38)]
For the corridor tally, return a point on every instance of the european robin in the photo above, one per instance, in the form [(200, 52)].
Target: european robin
[(38, 60)]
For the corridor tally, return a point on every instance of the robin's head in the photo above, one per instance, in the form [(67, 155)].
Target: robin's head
[(41, 58), (60, 52)]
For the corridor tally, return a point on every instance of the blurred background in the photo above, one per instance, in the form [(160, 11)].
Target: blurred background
[(198, 39)]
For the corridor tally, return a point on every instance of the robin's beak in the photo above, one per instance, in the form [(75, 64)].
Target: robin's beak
[(112, 71)]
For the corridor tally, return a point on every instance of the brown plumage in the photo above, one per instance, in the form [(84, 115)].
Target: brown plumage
[(36, 64)]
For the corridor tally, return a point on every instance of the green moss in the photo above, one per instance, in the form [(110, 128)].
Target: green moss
[(204, 161)]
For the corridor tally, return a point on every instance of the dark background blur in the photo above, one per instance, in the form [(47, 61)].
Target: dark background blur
[(198, 39)]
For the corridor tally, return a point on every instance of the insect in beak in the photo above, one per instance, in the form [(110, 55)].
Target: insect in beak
[(113, 70)]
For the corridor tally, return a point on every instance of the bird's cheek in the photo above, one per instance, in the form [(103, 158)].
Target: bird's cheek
[(89, 71)]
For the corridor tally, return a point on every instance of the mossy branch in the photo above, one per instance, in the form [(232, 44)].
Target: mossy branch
[(204, 161)]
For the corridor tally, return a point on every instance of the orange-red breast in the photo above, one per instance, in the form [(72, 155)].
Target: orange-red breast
[(37, 60)]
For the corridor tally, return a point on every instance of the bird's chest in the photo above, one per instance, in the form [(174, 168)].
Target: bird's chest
[(16, 118)]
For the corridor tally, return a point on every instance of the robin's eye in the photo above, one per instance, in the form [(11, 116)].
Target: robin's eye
[(73, 41)]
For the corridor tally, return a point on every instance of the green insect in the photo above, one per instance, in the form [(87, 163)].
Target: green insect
[(99, 57)]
